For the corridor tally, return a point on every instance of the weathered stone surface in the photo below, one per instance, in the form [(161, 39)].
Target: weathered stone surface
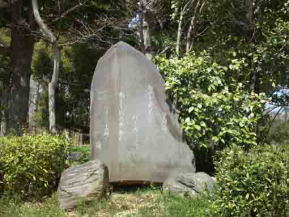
[(86, 182), (133, 128), (189, 184)]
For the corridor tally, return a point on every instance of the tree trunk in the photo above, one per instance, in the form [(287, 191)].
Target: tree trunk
[(51, 89), (180, 23), (192, 27), (147, 40), (35, 93), (141, 32), (179, 33), (146, 28), (22, 44), (249, 36), (3, 110), (53, 83), (250, 28)]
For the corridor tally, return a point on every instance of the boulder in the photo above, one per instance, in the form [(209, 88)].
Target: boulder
[(88, 181), (190, 184), (75, 156), (134, 128)]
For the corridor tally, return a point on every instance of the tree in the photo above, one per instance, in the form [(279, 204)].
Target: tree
[(73, 23), (56, 60), (17, 16)]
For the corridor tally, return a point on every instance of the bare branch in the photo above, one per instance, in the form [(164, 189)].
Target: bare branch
[(69, 11), (41, 23)]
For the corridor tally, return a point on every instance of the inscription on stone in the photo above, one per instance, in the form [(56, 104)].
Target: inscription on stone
[(132, 128)]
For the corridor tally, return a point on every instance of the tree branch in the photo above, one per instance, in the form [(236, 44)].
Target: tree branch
[(69, 11), (41, 23)]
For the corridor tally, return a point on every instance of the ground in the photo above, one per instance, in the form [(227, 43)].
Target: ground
[(133, 202)]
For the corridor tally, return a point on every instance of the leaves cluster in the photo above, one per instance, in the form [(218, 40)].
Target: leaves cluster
[(254, 183), (212, 113), (32, 165)]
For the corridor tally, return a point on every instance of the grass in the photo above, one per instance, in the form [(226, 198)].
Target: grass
[(142, 202), (15, 208), (123, 202)]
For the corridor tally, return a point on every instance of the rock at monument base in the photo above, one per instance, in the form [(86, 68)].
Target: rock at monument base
[(88, 181), (134, 130), (189, 184)]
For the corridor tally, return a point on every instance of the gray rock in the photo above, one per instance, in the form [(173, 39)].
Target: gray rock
[(75, 156), (88, 181), (134, 130), (190, 184)]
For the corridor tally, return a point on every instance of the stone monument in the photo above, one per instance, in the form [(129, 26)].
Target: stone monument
[(133, 128)]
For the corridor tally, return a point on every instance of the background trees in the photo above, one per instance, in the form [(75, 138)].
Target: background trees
[(72, 22), (248, 38)]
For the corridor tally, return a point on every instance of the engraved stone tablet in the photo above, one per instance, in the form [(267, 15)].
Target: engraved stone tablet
[(133, 129)]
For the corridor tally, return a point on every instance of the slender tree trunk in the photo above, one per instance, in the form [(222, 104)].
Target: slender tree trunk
[(56, 60), (35, 93), (3, 110), (249, 36), (51, 89), (141, 32), (4, 101), (180, 23), (179, 33), (147, 40), (250, 26), (22, 44), (146, 28), (192, 28)]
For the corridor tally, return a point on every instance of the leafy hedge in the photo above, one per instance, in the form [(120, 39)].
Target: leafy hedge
[(32, 165), (254, 183)]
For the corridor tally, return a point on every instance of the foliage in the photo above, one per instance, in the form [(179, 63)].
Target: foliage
[(72, 100), (32, 165), (254, 183), (212, 113)]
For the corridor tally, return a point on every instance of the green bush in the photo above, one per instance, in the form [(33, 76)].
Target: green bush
[(32, 165), (212, 113), (254, 183)]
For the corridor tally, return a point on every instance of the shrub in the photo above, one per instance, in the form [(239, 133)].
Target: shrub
[(32, 165), (254, 183), (214, 110), (212, 113)]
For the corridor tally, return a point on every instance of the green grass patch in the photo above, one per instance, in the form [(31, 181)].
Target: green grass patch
[(142, 202), (15, 208)]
